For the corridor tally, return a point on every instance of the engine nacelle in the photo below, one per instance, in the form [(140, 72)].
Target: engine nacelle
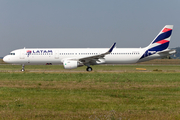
[(70, 64)]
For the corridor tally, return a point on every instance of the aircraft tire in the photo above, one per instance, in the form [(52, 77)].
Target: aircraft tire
[(89, 69)]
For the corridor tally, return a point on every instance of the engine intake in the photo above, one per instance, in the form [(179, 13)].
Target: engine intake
[(69, 64)]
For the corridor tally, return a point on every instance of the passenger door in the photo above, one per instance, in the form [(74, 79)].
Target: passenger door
[(22, 54)]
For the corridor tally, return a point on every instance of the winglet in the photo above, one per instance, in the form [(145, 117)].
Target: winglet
[(111, 48)]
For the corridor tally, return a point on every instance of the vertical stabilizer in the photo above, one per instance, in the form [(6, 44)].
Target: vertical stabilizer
[(161, 41)]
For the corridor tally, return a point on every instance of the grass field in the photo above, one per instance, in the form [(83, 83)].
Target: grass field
[(119, 92)]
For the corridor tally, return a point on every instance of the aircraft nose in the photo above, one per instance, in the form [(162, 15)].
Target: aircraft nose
[(6, 59)]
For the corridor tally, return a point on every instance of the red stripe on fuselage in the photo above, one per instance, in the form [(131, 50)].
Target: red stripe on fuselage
[(162, 41)]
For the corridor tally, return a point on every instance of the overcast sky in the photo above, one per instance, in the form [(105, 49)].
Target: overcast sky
[(85, 23)]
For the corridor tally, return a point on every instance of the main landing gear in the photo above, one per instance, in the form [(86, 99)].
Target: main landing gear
[(89, 69), (23, 68)]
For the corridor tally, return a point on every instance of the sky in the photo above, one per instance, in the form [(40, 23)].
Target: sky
[(85, 23)]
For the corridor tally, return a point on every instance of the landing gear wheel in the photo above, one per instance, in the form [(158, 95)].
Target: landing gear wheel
[(23, 68), (89, 69)]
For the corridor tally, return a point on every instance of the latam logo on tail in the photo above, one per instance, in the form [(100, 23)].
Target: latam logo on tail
[(161, 39), (39, 52), (160, 43)]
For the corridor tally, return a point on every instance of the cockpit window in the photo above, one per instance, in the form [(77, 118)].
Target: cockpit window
[(12, 53)]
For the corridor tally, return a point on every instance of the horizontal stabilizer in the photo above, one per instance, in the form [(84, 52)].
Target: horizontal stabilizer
[(168, 51)]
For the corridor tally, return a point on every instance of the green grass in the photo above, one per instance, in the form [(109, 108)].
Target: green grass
[(112, 95), (96, 68)]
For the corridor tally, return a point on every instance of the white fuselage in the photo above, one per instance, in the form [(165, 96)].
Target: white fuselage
[(56, 56)]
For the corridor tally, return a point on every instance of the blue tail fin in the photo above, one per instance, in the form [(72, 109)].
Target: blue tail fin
[(160, 43)]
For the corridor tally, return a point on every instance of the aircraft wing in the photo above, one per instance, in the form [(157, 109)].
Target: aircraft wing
[(96, 59)]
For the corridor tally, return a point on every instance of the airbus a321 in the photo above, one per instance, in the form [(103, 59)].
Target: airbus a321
[(72, 58)]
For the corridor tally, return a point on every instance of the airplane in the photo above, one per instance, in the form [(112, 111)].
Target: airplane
[(72, 58)]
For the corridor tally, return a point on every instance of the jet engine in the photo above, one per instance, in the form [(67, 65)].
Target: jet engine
[(70, 64)]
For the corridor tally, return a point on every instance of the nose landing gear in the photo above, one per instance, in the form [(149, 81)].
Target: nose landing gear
[(23, 68)]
